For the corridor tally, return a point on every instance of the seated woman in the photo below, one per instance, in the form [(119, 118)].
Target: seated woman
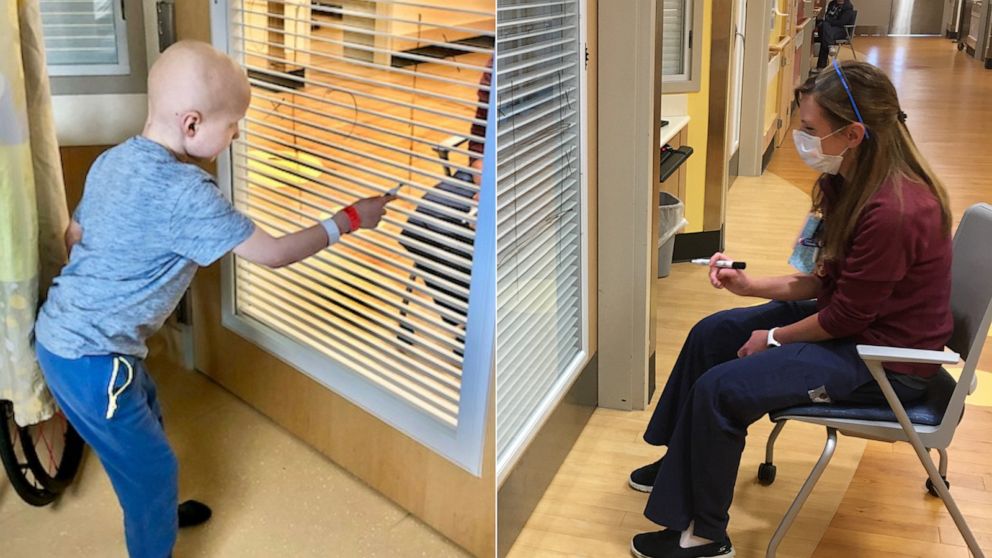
[(830, 29), (880, 274), (439, 267)]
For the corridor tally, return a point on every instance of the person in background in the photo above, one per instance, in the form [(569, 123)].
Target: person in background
[(831, 28), (149, 217), (879, 274), (430, 265), (479, 127)]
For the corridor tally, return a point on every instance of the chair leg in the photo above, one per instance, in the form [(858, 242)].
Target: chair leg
[(804, 492), (853, 52), (943, 473), (770, 447), (403, 314), (945, 495), (766, 471), (921, 452)]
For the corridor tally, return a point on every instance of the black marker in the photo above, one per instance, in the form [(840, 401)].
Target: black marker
[(723, 264)]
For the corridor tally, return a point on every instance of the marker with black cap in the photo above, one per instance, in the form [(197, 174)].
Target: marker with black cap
[(723, 264)]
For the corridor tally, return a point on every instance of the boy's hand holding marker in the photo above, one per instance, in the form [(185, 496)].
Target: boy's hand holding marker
[(363, 214)]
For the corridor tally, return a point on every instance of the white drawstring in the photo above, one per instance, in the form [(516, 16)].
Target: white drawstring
[(113, 395)]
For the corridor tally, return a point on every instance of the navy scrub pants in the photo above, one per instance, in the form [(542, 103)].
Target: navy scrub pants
[(712, 397), (111, 401)]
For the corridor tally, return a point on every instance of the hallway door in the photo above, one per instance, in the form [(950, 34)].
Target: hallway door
[(736, 82)]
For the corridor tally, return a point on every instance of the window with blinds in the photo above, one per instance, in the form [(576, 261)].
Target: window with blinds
[(85, 37), (676, 55), (351, 99), (540, 295)]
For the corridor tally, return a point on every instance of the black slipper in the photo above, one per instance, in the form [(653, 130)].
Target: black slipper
[(192, 513)]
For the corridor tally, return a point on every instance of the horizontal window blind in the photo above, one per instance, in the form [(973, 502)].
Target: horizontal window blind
[(85, 37), (538, 259), (351, 99), (675, 37)]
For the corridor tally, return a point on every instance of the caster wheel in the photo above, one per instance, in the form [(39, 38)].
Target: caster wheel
[(960, 46), (766, 473), (933, 490)]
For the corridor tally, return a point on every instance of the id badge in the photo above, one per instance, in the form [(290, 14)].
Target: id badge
[(807, 248)]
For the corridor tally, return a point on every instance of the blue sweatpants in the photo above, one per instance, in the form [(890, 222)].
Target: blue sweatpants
[(110, 400), (713, 396)]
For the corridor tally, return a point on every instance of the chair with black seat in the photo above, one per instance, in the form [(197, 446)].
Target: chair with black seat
[(848, 39), (926, 424), (444, 149)]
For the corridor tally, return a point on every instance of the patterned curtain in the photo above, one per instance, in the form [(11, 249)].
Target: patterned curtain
[(33, 214)]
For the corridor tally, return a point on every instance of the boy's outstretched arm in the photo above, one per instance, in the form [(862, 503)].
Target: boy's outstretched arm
[(264, 249)]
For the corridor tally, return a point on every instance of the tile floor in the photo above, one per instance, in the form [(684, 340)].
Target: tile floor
[(272, 495)]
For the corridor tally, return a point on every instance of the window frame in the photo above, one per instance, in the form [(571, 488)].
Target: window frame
[(105, 109), (464, 445), (689, 81), (506, 463), (121, 36)]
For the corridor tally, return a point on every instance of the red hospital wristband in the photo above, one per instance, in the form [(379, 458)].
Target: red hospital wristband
[(353, 218)]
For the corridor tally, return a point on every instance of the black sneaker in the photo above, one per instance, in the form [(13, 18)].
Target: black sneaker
[(192, 513), (642, 480), (665, 544)]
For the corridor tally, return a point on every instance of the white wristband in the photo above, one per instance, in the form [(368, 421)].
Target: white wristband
[(333, 232), (771, 338)]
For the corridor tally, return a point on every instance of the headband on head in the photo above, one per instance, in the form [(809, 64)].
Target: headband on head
[(847, 88)]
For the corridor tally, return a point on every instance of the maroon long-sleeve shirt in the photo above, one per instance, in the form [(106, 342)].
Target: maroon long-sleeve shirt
[(893, 285)]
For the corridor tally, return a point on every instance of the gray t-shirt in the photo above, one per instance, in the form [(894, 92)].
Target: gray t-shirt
[(148, 221)]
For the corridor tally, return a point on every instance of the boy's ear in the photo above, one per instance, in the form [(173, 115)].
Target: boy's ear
[(191, 123)]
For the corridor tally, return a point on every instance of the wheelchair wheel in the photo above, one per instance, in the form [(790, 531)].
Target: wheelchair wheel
[(53, 450), (19, 471)]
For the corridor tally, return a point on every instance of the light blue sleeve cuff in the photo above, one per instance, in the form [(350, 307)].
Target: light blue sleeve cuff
[(333, 232)]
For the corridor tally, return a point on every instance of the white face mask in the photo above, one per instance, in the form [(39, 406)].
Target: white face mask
[(810, 150)]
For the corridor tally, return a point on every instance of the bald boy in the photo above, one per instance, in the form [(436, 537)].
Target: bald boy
[(149, 217)]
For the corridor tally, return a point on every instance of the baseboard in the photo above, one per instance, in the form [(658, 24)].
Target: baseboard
[(652, 375), (767, 157), (690, 246), (526, 484)]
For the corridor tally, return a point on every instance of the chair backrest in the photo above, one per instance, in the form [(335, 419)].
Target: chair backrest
[(850, 28), (971, 298)]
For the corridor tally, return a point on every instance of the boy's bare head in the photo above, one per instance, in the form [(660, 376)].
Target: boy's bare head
[(196, 96)]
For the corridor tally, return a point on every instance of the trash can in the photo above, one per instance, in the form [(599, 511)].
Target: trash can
[(670, 222)]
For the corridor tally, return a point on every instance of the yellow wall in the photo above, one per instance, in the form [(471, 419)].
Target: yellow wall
[(772, 98), (780, 23), (699, 108)]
